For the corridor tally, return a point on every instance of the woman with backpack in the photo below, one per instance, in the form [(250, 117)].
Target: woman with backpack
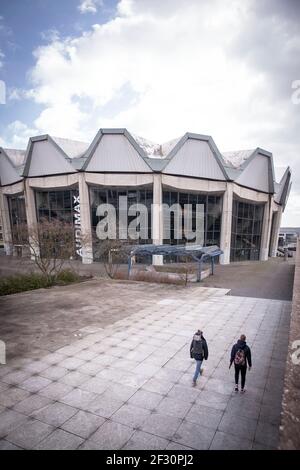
[(198, 351), (240, 356)]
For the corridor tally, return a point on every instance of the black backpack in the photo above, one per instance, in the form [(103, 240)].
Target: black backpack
[(198, 346)]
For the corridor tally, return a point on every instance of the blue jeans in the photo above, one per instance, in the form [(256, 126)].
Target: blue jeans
[(197, 371)]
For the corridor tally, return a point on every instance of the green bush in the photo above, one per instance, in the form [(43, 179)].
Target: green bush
[(21, 283), (31, 281), (67, 277)]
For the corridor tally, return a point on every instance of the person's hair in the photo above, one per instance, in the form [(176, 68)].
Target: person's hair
[(243, 338)]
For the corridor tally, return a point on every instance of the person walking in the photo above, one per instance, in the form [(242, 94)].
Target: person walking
[(198, 351), (240, 356)]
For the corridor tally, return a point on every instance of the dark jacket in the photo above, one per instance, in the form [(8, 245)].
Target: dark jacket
[(199, 357), (241, 345)]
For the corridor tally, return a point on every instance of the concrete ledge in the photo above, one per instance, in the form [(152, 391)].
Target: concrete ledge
[(290, 423)]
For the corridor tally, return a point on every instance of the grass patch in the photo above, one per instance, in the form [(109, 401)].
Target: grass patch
[(24, 282)]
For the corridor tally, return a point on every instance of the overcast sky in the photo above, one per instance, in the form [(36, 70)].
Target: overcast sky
[(159, 68)]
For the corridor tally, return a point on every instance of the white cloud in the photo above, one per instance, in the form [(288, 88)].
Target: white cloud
[(89, 6), (178, 66), (16, 135)]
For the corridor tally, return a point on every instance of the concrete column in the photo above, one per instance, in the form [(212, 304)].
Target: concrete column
[(226, 223), (157, 217), (275, 234), (266, 230), (6, 227), (85, 220), (31, 219)]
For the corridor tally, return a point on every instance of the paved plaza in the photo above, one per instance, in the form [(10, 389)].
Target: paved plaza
[(128, 385)]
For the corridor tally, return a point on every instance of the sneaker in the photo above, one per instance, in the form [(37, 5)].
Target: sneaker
[(201, 371), (236, 389), (194, 383), (243, 390)]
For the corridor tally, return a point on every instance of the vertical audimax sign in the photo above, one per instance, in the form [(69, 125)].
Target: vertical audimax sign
[(77, 223)]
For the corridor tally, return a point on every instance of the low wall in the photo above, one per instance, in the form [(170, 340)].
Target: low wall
[(290, 423)]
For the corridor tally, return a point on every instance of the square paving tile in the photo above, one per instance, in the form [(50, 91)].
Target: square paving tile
[(141, 441), (208, 417), (29, 434), (72, 363), (177, 446), (74, 378), (270, 414), (158, 386), (111, 436), (78, 398), (83, 424), (133, 380), (90, 368), (55, 414), (211, 399), (36, 366), (194, 435), (60, 440), (95, 385), (186, 394), (54, 372), (267, 434), (219, 386), (145, 399), (174, 407), (9, 420), (5, 445), (240, 405), (104, 405), (12, 396), (55, 390), (168, 375), (54, 358), (161, 425), (130, 415), (86, 355), (224, 441), (35, 383), (112, 374), (32, 403), (240, 426), (119, 392), (16, 377)]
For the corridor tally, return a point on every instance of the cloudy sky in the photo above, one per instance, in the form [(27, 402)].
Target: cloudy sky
[(227, 68)]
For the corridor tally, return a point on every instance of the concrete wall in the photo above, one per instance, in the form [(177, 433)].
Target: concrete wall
[(290, 423)]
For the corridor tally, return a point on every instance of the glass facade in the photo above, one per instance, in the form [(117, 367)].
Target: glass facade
[(18, 219), (58, 205), (247, 220), (212, 215), (55, 205), (112, 196)]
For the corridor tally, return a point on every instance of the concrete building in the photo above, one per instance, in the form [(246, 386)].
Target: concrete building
[(243, 202)]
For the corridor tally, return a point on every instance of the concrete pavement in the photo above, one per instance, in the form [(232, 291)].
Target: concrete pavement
[(128, 385)]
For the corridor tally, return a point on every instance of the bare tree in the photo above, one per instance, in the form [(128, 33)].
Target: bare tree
[(51, 245), (187, 267), (111, 253)]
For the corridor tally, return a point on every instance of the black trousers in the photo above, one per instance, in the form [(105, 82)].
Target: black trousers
[(242, 370)]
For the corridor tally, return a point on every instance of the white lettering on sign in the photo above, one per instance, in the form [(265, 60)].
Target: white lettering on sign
[(77, 225)]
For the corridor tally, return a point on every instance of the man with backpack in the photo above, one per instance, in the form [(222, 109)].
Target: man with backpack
[(198, 351), (240, 356)]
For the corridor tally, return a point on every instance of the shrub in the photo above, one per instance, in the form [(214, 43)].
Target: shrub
[(67, 277), (22, 282), (31, 281)]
